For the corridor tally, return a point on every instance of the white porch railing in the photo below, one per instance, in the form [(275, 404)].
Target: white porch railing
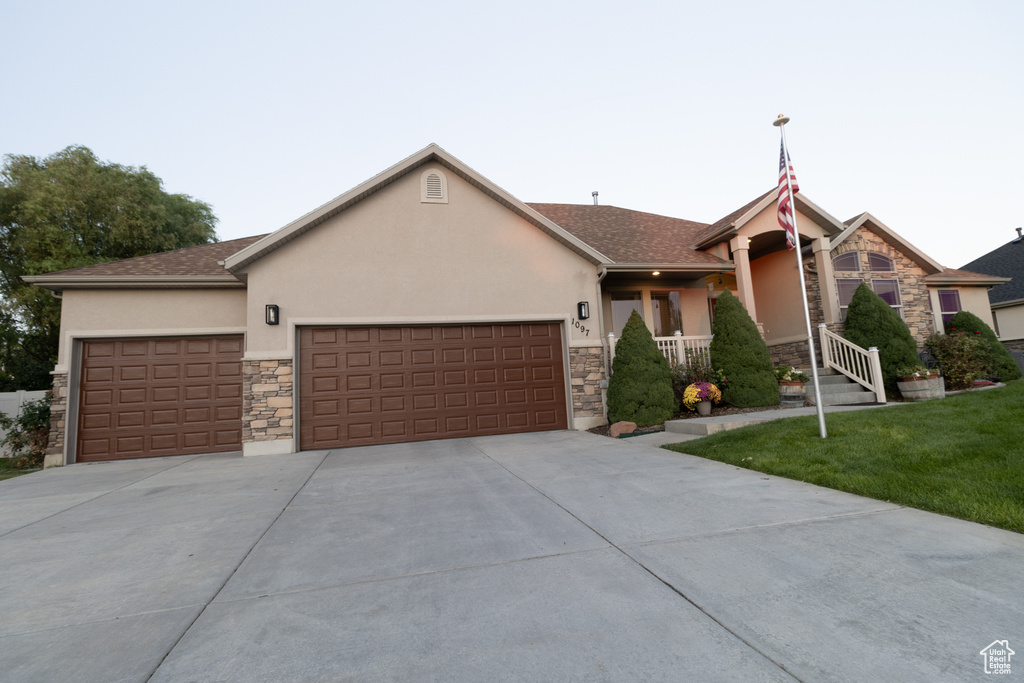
[(859, 365), (673, 348)]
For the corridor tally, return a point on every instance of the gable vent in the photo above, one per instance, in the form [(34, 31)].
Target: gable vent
[(433, 187)]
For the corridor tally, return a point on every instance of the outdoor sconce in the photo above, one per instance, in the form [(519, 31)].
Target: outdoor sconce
[(273, 314), (583, 310)]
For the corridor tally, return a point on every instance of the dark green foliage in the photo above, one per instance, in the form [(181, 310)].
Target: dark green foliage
[(71, 210), (640, 389), (998, 363), (872, 322), (739, 353), (27, 434)]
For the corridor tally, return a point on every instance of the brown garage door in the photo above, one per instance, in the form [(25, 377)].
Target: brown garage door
[(167, 396), (366, 385)]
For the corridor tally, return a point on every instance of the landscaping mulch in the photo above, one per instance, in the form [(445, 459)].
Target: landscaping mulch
[(604, 430)]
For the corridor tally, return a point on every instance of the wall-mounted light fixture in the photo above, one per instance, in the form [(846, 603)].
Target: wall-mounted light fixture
[(583, 310), (656, 273), (273, 314)]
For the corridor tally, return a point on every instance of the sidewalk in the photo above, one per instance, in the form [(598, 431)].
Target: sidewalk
[(677, 431)]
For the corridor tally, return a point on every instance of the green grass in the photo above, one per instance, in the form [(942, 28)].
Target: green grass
[(961, 456), (7, 472)]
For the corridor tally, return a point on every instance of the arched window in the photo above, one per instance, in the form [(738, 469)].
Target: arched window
[(848, 262), (880, 263)]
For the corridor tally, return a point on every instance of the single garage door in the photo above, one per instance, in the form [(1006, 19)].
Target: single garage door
[(165, 396), (369, 385)]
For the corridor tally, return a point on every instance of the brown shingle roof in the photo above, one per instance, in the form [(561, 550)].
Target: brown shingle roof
[(722, 224), (200, 261), (950, 275), (627, 236)]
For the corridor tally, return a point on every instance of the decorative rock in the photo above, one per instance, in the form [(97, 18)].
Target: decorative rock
[(622, 428)]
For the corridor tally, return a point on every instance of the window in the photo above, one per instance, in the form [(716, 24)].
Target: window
[(623, 304), (848, 262), (668, 313), (846, 287), (889, 290), (879, 263), (949, 304)]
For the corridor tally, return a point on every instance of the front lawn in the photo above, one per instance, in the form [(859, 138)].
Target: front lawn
[(961, 456)]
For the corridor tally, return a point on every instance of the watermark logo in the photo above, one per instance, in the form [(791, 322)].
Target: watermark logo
[(997, 657)]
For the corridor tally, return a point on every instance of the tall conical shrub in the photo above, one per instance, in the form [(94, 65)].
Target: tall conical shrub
[(739, 352), (872, 322), (640, 389), (1000, 363)]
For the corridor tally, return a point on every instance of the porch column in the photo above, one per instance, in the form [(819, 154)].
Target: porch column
[(826, 280), (744, 286)]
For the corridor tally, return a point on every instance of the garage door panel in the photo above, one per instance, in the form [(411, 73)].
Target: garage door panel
[(162, 396), (390, 394)]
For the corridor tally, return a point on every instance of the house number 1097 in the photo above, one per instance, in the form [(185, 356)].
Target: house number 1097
[(579, 326)]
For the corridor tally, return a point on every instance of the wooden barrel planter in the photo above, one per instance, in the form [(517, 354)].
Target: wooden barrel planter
[(791, 394), (922, 389)]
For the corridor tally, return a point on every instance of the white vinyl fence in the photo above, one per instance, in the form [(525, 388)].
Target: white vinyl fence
[(11, 403)]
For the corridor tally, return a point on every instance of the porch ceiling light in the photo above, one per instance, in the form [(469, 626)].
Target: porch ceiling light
[(583, 310), (657, 272), (273, 314)]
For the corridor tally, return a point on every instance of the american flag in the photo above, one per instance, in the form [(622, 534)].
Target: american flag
[(786, 219)]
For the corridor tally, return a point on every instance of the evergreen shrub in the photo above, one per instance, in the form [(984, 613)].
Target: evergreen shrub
[(640, 388), (872, 322), (739, 353)]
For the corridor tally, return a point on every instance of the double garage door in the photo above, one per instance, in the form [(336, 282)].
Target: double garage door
[(357, 386), (368, 385)]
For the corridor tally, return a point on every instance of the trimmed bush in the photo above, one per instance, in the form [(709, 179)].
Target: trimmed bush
[(962, 357), (640, 389), (739, 353), (999, 363), (872, 322)]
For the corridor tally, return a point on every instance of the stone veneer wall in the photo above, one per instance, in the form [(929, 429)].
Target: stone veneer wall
[(58, 421), (917, 310), (586, 370), (267, 408), (796, 354)]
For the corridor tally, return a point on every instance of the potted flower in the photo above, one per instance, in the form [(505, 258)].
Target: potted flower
[(918, 383), (700, 395), (791, 386)]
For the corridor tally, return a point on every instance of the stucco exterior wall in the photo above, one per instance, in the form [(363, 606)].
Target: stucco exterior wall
[(125, 312), (777, 295), (972, 299), (392, 258), (1010, 324)]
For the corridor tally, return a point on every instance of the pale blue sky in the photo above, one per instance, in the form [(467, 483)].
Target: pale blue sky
[(910, 110)]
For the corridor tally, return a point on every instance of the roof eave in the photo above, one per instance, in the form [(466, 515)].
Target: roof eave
[(670, 267), (888, 233), (1007, 304), (428, 154), (59, 284)]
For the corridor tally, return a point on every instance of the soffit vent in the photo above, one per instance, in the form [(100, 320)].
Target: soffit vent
[(433, 187)]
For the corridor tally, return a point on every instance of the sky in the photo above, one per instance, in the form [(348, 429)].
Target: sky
[(911, 110)]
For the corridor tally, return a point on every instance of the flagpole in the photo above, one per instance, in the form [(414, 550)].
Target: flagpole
[(781, 122)]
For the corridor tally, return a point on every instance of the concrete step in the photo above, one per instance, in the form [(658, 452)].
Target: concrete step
[(839, 390)]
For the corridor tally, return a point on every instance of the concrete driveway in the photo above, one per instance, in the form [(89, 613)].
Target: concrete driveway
[(560, 556)]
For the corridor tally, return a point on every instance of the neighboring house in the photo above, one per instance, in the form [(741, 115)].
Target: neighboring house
[(429, 303), (1007, 300)]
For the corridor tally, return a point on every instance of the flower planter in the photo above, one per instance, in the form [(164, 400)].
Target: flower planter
[(704, 408), (791, 394), (921, 389)]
